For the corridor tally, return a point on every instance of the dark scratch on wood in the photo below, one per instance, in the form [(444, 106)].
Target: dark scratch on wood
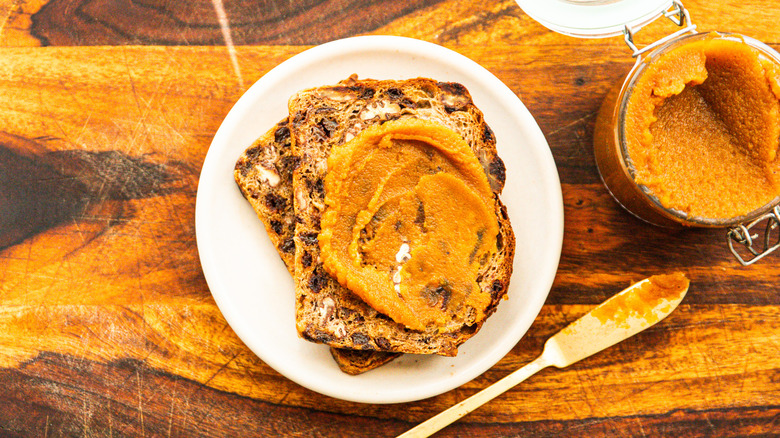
[(221, 368)]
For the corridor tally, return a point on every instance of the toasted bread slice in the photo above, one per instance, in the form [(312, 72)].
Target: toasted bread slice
[(264, 175), (324, 117)]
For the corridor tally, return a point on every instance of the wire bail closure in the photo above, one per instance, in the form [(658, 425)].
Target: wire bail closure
[(741, 235), (677, 14)]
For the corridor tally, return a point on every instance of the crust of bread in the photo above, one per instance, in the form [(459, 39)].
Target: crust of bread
[(264, 176), (324, 117)]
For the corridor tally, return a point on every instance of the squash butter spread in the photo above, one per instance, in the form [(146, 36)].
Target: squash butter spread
[(702, 127), (409, 217), (642, 302)]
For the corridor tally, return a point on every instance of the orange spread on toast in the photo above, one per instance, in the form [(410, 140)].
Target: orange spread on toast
[(409, 219)]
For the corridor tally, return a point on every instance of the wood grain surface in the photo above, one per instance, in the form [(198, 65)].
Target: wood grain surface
[(107, 326)]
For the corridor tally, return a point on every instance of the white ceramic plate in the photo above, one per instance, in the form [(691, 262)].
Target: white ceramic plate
[(250, 283)]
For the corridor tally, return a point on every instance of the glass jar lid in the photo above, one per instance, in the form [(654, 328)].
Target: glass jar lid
[(594, 18)]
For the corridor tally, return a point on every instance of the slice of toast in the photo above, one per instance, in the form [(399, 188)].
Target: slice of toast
[(324, 117), (264, 175)]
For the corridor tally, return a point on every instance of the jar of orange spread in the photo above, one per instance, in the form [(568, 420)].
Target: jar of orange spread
[(691, 136)]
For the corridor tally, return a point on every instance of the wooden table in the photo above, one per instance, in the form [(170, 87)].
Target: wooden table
[(107, 326)]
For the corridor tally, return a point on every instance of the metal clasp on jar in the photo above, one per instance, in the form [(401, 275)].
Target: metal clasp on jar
[(677, 14), (771, 239)]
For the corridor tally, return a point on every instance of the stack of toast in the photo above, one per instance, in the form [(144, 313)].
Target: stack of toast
[(282, 173)]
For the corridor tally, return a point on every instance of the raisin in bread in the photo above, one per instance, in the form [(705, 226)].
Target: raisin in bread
[(324, 117), (264, 175)]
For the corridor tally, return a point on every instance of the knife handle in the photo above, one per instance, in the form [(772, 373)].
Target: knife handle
[(459, 410)]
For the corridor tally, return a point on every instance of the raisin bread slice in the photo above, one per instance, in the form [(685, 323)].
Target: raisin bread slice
[(324, 117), (264, 175)]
